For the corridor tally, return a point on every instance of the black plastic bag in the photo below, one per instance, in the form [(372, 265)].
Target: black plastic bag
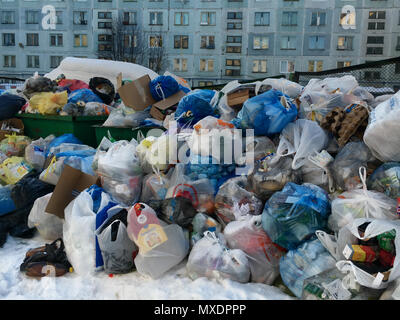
[(10, 104), (103, 88)]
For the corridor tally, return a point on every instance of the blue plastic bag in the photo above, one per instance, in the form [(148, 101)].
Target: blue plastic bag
[(7, 205), (306, 261), (85, 95), (194, 107), (163, 87), (292, 216), (268, 113), (65, 138)]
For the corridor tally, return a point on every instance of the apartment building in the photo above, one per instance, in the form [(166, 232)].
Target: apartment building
[(205, 41)]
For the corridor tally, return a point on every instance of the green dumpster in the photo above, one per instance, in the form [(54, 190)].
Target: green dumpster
[(37, 125), (119, 133)]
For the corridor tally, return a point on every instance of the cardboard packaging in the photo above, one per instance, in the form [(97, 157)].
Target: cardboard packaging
[(14, 123), (137, 95), (71, 183)]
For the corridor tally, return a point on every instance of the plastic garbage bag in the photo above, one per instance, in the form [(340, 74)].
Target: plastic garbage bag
[(386, 179), (97, 109), (268, 113), (233, 194), (80, 226), (71, 149), (38, 84), (49, 102), (202, 223), (345, 168), (309, 259), (142, 151), (14, 169), (103, 88), (212, 259), (71, 84), (382, 133), (83, 95), (2, 157), (117, 250), (7, 205), (287, 87), (53, 172), (73, 109), (361, 203), (35, 153), (65, 138), (126, 117), (163, 87), (301, 139), (268, 178), (50, 226), (154, 187), (14, 145), (263, 255), (317, 170), (292, 215), (378, 100), (10, 104), (260, 148), (160, 247), (195, 106)]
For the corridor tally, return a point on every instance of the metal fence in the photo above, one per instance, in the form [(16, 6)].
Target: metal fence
[(379, 77), (7, 83)]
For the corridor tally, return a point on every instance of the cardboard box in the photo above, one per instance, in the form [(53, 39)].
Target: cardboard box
[(237, 98), (162, 108), (14, 123), (71, 183), (137, 96)]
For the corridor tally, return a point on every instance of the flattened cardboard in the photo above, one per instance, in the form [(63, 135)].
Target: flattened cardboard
[(237, 98), (71, 183), (157, 114)]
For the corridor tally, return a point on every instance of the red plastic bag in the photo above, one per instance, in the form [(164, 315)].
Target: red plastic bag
[(73, 84)]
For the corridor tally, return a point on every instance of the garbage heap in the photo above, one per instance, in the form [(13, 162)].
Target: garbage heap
[(314, 211)]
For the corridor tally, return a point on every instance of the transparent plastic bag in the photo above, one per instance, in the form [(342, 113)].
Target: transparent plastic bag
[(290, 88), (97, 109), (154, 187), (14, 145), (212, 259), (317, 170), (14, 169), (386, 179), (126, 117), (35, 153), (49, 225), (263, 255), (202, 223)]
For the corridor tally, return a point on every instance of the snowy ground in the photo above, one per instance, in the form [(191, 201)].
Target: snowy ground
[(174, 285)]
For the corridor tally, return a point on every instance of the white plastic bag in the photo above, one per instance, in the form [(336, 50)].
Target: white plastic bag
[(301, 138), (212, 259), (53, 172), (49, 225), (382, 135), (290, 88), (361, 203), (36, 151)]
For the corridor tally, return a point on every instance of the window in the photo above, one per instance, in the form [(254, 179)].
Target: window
[(181, 42), (156, 18), (56, 40), (55, 61), (80, 17), (259, 66), (31, 17), (286, 66), (105, 37), (376, 25), (261, 19), (105, 47), (315, 66), (80, 40), (207, 42), (9, 62), (318, 19), (288, 43), (7, 17), (8, 39), (377, 15), (232, 72), (130, 41), (205, 83), (289, 18), (59, 15), (398, 44), (181, 18), (232, 62), (260, 43), (32, 62), (375, 40), (316, 43), (155, 41), (104, 15), (180, 64), (235, 15), (129, 18), (234, 39), (104, 25), (342, 64), (234, 49), (32, 39), (234, 25), (345, 43), (206, 65), (374, 50), (208, 18)]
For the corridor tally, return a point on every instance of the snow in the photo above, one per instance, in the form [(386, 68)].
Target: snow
[(174, 285)]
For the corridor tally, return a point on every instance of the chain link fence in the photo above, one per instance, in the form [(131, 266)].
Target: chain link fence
[(378, 77)]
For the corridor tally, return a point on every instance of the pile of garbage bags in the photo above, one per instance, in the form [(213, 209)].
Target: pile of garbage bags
[(307, 199)]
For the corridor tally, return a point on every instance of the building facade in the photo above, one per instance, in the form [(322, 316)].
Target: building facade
[(205, 41)]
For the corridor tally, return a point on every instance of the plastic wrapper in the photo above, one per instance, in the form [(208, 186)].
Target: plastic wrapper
[(301, 139), (233, 193), (7, 205), (35, 153), (68, 149), (103, 88), (268, 113), (97, 109), (50, 226), (14, 145), (126, 117), (345, 168), (382, 133), (292, 215), (14, 169), (161, 247), (212, 259), (263, 255), (48, 102), (386, 179), (309, 259), (267, 178), (361, 203), (83, 95), (202, 223), (335, 285)]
